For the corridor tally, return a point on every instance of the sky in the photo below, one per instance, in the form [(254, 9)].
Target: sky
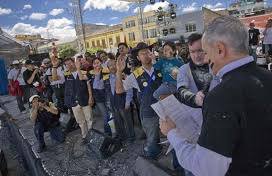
[(53, 18)]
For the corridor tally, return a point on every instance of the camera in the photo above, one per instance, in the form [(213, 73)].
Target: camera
[(41, 100), (133, 60)]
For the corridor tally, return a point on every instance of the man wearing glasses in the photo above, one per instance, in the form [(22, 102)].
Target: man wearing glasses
[(194, 78)]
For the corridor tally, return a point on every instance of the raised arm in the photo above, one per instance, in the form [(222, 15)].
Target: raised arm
[(78, 67), (120, 65), (30, 80), (55, 64)]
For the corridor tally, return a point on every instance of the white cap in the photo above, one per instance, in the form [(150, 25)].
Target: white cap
[(46, 60), (32, 97), (78, 54), (15, 62)]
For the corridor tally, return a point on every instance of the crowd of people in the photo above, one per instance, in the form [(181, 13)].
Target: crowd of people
[(213, 71)]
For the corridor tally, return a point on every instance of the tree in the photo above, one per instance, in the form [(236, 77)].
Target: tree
[(93, 50), (66, 51)]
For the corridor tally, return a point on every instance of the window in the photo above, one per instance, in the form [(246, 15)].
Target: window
[(131, 36), (104, 43), (110, 41), (190, 27), (147, 20), (87, 45), (153, 33), (93, 44), (98, 43), (118, 39), (130, 24), (146, 34)]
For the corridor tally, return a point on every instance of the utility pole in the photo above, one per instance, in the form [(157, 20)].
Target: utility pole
[(140, 15), (80, 31), (140, 7)]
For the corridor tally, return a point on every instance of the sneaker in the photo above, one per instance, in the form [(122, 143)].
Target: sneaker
[(24, 112), (147, 155)]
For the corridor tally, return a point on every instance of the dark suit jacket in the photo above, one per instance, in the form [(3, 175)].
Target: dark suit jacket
[(238, 120)]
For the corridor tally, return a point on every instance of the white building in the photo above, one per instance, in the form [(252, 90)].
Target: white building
[(193, 22), (243, 8)]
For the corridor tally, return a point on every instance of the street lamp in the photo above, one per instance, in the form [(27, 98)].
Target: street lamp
[(173, 15), (160, 17), (165, 18), (165, 32), (152, 1), (172, 30), (172, 8)]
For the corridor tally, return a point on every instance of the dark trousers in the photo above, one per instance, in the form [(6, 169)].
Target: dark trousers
[(72, 124), (59, 93), (124, 124), (20, 101), (30, 91), (268, 49), (152, 131), (104, 113), (48, 93), (55, 133), (25, 89)]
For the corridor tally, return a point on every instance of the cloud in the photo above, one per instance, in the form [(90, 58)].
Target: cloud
[(4, 11), (136, 10), (24, 17), (56, 12), (100, 24), (194, 7), (114, 18), (27, 6), (190, 8), (215, 7), (155, 6), (116, 5), (61, 29), (152, 7), (37, 16)]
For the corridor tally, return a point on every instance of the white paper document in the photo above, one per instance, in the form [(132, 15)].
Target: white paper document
[(188, 120)]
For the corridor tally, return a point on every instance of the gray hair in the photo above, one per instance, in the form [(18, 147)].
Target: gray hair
[(229, 30)]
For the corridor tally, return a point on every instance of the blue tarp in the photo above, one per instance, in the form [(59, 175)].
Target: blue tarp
[(3, 78)]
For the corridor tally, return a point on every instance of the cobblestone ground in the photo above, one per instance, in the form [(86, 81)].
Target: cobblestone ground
[(14, 160), (71, 158)]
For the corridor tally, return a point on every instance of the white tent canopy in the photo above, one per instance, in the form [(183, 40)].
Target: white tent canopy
[(10, 48)]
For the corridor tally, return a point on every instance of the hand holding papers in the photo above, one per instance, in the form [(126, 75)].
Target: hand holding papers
[(188, 120)]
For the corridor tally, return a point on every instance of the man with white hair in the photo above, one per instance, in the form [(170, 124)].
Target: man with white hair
[(236, 133)]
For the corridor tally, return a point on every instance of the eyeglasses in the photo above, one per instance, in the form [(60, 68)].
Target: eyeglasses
[(199, 51)]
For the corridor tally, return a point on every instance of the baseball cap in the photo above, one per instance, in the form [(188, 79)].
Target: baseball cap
[(46, 61), (140, 46), (32, 97), (15, 62)]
